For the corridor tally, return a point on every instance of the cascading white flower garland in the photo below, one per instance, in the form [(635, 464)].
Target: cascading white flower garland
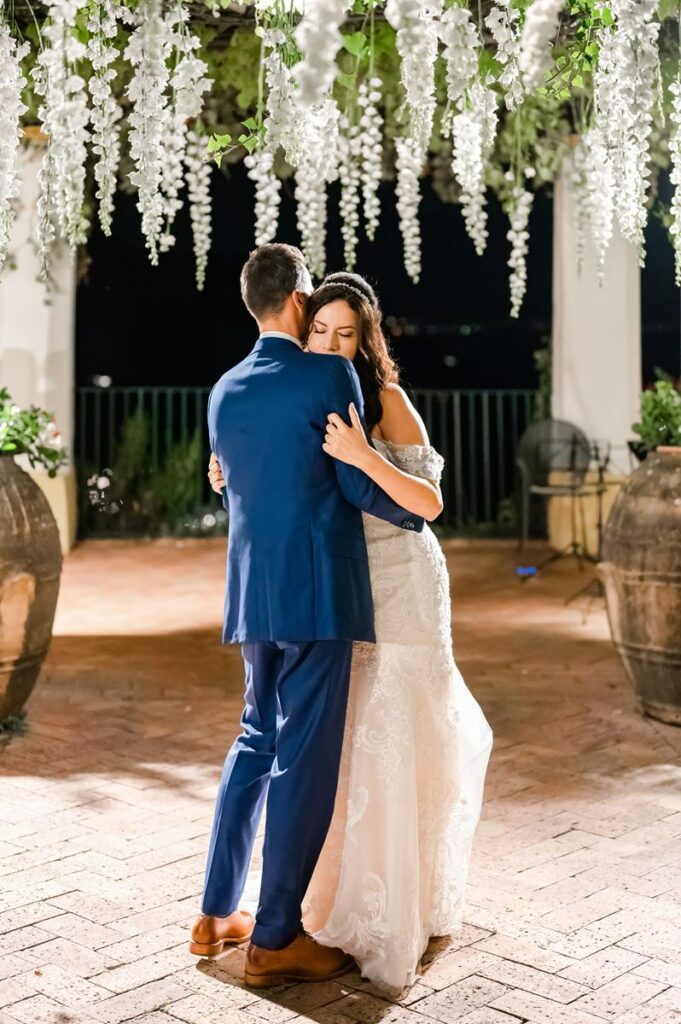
[(350, 150), (592, 180), (518, 236), (148, 50), (314, 152), (503, 21), (474, 125), (416, 25), (541, 25), (319, 39), (106, 111), (64, 115), (473, 132), (267, 194), (461, 52), (12, 82), (625, 90), (675, 175), (187, 86), (200, 203), (371, 151)]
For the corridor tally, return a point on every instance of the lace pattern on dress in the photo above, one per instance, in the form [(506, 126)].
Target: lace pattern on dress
[(416, 459)]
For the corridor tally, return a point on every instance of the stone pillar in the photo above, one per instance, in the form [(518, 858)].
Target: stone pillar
[(596, 342), (37, 340)]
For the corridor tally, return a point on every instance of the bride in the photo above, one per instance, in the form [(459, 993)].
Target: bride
[(393, 870)]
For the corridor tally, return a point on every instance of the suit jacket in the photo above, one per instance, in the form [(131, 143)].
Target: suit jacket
[(297, 566)]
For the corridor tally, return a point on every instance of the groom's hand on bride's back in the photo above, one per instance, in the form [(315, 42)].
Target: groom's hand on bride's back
[(217, 480)]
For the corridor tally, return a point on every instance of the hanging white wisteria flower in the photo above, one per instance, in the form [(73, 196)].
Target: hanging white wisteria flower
[(503, 21), (461, 52), (473, 133), (541, 25), (64, 115), (592, 180), (416, 25), (200, 204), (625, 91), (187, 86), (349, 168), (371, 151), (12, 82), (519, 236), (408, 194), (314, 153), (148, 50), (319, 39), (267, 194), (675, 175)]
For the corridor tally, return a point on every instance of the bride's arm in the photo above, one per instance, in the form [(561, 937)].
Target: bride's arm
[(401, 424)]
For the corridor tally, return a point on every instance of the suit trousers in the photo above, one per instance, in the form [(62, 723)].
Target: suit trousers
[(287, 756)]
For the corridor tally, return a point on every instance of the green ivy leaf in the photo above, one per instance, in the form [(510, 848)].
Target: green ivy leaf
[(249, 142), (606, 17), (347, 81), (356, 44), (251, 124), (217, 142), (578, 82), (489, 65)]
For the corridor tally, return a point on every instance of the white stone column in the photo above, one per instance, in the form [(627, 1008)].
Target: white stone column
[(37, 339), (596, 342)]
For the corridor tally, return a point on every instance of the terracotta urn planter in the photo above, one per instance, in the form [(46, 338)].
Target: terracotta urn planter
[(30, 567), (641, 570)]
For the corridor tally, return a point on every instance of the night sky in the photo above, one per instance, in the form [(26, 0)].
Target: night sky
[(145, 325)]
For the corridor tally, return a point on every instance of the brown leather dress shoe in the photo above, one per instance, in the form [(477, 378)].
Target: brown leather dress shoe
[(211, 934), (304, 959)]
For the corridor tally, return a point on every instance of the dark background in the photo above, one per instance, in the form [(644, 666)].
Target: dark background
[(144, 325)]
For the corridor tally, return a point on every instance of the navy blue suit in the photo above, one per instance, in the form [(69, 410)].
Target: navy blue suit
[(298, 593)]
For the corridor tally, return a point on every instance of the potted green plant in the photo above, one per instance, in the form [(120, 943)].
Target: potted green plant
[(660, 422), (30, 552)]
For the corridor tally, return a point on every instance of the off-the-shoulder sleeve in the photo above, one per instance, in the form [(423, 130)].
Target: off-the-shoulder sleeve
[(415, 459)]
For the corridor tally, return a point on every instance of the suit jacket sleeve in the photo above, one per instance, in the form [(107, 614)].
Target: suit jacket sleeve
[(212, 437), (359, 489)]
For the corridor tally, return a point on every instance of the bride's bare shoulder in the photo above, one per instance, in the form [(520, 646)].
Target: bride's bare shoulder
[(401, 422)]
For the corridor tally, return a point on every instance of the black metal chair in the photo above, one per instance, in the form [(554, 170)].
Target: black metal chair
[(552, 460)]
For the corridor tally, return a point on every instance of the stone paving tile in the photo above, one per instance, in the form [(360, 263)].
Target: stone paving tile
[(574, 898), (623, 993)]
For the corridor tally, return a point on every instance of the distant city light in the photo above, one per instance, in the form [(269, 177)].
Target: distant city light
[(450, 361), (102, 380)]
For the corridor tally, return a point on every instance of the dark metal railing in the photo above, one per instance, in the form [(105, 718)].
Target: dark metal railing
[(476, 431)]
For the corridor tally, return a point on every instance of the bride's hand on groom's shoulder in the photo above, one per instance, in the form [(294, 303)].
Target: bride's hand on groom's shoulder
[(347, 443), (217, 480)]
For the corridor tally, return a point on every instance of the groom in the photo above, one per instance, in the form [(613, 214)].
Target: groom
[(298, 594)]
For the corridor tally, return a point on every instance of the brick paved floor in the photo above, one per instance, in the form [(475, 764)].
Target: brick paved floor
[(574, 904)]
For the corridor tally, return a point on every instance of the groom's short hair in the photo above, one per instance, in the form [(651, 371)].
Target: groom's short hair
[(269, 275)]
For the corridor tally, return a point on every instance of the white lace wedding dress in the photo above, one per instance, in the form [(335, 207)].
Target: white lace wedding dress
[(393, 869)]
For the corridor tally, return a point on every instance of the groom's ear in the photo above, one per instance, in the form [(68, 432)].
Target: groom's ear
[(300, 300)]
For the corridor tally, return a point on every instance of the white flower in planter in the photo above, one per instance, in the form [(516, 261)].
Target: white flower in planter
[(12, 83), (541, 25), (503, 21), (64, 115), (518, 236), (200, 203)]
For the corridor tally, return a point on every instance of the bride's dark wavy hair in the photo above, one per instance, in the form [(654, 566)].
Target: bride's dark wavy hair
[(374, 363)]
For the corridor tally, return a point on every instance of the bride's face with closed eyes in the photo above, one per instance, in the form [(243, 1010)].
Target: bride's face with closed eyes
[(334, 331)]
